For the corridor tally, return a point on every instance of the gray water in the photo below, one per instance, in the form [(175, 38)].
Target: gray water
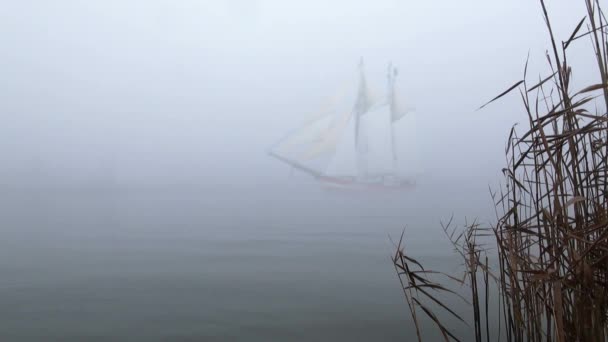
[(194, 264)]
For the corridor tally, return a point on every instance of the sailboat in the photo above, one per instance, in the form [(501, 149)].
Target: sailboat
[(353, 147)]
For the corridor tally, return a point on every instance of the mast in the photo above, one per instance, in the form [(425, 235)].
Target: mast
[(361, 106), (391, 75)]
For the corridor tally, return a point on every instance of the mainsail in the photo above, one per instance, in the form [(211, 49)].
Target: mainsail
[(355, 143), (379, 155), (398, 107)]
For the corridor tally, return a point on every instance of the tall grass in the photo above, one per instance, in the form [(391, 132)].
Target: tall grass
[(551, 230)]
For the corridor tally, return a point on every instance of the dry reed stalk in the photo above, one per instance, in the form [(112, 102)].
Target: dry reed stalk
[(552, 215)]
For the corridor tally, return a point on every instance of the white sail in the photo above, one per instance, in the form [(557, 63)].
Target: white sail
[(298, 147), (344, 161), (409, 163), (315, 144), (352, 142), (400, 106), (377, 127), (312, 146)]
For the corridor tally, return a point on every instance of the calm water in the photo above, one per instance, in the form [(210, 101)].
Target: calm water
[(217, 263)]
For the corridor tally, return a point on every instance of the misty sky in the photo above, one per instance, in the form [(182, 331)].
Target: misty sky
[(159, 92)]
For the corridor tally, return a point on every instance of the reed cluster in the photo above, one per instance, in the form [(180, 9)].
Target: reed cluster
[(550, 264)]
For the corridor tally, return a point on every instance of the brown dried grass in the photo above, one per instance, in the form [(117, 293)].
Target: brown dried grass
[(551, 231)]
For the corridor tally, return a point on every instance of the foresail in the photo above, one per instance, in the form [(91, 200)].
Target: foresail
[(329, 139), (344, 161), (297, 148)]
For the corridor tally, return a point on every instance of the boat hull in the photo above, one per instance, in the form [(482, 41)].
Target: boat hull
[(353, 184)]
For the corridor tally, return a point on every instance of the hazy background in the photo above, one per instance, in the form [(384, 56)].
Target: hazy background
[(137, 198)]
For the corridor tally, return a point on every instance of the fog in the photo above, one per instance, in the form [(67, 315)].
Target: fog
[(134, 139), (195, 91)]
